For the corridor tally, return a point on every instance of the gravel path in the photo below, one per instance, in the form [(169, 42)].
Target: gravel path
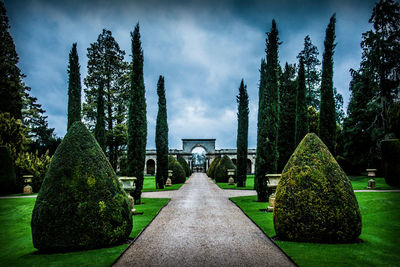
[(201, 227)]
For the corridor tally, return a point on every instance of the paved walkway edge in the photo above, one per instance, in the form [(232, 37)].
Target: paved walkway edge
[(133, 241), (273, 242)]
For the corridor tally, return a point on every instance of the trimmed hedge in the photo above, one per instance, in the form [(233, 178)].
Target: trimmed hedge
[(211, 168), (178, 173), (80, 204), (7, 171), (185, 166), (220, 173), (391, 161), (315, 201)]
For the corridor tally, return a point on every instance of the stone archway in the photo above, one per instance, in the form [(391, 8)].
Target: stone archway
[(150, 167)]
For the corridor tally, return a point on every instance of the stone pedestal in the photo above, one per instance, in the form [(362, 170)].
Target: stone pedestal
[(168, 182), (128, 184), (371, 182), (231, 181), (271, 201), (27, 190)]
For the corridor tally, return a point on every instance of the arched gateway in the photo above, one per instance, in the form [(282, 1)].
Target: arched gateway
[(188, 145)]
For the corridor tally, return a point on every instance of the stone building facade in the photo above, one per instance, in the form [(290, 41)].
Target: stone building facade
[(188, 145)]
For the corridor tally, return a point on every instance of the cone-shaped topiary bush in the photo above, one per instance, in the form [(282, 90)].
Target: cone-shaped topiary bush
[(211, 169), (315, 201), (220, 173), (7, 171), (185, 166), (178, 173), (391, 161), (80, 204)]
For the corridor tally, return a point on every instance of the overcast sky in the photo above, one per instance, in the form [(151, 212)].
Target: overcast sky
[(202, 48)]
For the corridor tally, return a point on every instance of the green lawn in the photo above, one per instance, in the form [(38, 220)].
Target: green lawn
[(361, 183), (16, 247), (380, 234), (149, 185), (358, 183)]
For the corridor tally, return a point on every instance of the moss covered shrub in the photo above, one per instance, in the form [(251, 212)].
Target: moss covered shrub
[(178, 173), (315, 201), (80, 204), (391, 161), (185, 166), (211, 168), (7, 171), (220, 173)]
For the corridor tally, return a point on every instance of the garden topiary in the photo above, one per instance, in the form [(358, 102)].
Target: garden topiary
[(178, 173), (315, 201), (391, 161), (80, 204), (211, 169), (7, 171), (220, 173), (185, 166)]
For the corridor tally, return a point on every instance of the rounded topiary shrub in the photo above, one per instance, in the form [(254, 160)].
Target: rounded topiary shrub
[(211, 169), (220, 173), (315, 201), (391, 161), (178, 173), (185, 166), (7, 171), (80, 204)]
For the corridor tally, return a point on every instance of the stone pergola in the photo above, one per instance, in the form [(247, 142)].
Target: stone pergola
[(211, 153)]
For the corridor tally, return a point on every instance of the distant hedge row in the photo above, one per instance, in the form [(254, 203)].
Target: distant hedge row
[(218, 169)]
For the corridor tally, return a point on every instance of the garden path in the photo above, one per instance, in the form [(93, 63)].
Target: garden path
[(202, 227)]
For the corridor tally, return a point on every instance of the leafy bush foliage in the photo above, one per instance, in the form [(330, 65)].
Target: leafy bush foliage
[(220, 173), (211, 168), (185, 166), (12, 134), (34, 164), (315, 201), (7, 171), (178, 173), (80, 204), (391, 161)]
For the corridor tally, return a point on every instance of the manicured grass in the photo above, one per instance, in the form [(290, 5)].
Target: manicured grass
[(358, 183), (361, 183), (249, 184), (380, 234), (16, 247), (149, 185)]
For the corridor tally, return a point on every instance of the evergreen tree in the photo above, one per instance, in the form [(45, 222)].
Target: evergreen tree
[(161, 136), (100, 129), (11, 88), (309, 54), (74, 87), (105, 65), (137, 123), (242, 134), (267, 137), (301, 107), (42, 138), (381, 54), (287, 115), (327, 114)]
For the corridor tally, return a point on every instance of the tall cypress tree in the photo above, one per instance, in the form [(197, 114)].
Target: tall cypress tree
[(100, 128), (161, 136), (74, 87), (301, 125), (11, 88), (327, 114), (287, 114), (309, 55), (242, 134), (267, 137), (137, 123)]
